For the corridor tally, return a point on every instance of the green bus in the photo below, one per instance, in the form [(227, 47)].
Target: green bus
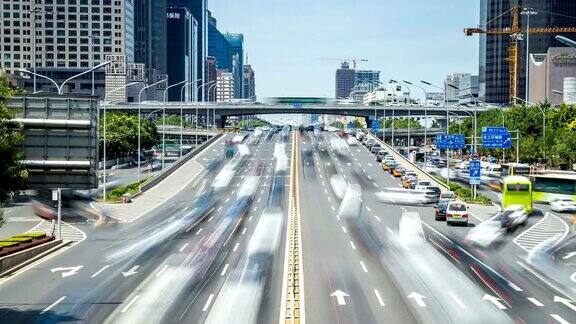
[(553, 186), (517, 190)]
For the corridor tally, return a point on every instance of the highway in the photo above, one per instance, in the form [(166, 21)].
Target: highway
[(215, 253)]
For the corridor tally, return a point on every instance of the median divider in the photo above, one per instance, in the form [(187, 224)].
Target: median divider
[(409, 165), (16, 261), (174, 166), (292, 304)]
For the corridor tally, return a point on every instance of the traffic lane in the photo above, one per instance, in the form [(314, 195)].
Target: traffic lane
[(197, 307), (332, 279), (70, 261)]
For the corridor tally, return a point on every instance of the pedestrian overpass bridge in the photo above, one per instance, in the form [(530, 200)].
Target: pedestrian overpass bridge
[(221, 111)]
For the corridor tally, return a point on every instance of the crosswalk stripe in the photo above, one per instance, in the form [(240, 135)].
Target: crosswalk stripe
[(549, 227), (69, 232)]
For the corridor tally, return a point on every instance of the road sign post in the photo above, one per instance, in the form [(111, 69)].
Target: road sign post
[(447, 142)]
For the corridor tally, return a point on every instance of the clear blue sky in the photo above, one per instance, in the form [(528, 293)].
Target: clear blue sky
[(404, 39)]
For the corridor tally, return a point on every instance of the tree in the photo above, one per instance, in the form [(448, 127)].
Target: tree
[(337, 124), (358, 123), (256, 122), (12, 173), (122, 134), (173, 120)]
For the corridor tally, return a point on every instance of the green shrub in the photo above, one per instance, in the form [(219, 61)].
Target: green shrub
[(465, 193), (8, 244), (116, 194), (32, 235), (18, 239)]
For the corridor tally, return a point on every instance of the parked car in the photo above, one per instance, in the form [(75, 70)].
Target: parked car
[(457, 212), (563, 205), (440, 210), (380, 155)]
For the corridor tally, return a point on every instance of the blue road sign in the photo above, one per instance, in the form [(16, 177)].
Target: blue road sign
[(451, 141), (350, 125), (494, 130), (298, 105), (375, 126), (496, 141), (475, 172)]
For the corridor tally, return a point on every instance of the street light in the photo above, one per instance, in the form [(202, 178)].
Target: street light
[(61, 87), (105, 104), (566, 41), (198, 89), (528, 12), (34, 11), (214, 110), (181, 110), (409, 111), (543, 111), (139, 122), (92, 37), (425, 118), (164, 119)]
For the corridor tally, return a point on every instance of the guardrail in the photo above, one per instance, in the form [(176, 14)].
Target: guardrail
[(422, 175), (174, 166)]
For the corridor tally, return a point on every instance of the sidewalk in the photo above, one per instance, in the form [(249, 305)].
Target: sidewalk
[(154, 197)]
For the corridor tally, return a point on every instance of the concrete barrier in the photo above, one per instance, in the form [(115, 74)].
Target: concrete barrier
[(409, 165), (174, 166), (14, 262)]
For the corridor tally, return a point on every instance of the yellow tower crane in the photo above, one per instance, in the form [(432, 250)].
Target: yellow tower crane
[(514, 32)]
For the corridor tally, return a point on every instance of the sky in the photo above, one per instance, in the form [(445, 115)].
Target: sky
[(404, 39)]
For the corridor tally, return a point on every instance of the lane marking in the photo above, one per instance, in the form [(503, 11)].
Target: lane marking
[(208, 302), (224, 270), (403, 209), (377, 218), (161, 270), (389, 230), (363, 266), (100, 271), (535, 301), (183, 247), (250, 218), (130, 304), (333, 208), (172, 218), (368, 209), (235, 247), (156, 230), (198, 232), (559, 319), (244, 231), (344, 229), (379, 298), (53, 304), (352, 245), (456, 299), (209, 219)]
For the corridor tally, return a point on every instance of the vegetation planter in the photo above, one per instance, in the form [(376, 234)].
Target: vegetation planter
[(11, 247)]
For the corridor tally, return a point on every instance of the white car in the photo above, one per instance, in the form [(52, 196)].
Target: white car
[(352, 141), (512, 217), (486, 234), (563, 205)]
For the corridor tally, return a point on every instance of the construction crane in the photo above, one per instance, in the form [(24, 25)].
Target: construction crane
[(353, 60), (515, 33)]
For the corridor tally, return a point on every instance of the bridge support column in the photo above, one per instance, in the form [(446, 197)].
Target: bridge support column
[(221, 121)]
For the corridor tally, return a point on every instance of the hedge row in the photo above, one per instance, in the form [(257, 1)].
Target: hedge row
[(21, 238)]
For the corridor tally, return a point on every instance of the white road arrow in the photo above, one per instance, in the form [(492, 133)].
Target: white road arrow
[(566, 302), (418, 298), (130, 272), (67, 271), (339, 294), (569, 255), (494, 300)]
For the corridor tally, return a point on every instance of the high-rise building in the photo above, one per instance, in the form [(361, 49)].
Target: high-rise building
[(553, 71), (66, 38), (452, 94), (150, 37), (237, 44), (367, 79), (494, 68), (468, 94), (199, 10), (218, 46), (345, 81), (225, 88), (249, 83), (211, 79), (182, 34)]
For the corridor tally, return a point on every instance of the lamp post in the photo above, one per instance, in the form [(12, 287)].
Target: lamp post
[(214, 110), (34, 11), (60, 87), (566, 41), (528, 12), (105, 104), (187, 83), (139, 121), (425, 119), (543, 111), (569, 95), (198, 89), (92, 37), (164, 118)]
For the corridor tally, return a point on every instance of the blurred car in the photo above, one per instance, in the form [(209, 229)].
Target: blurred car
[(486, 234), (375, 148), (422, 185), (386, 166), (380, 155), (398, 171), (352, 141), (409, 183), (436, 191), (512, 217), (409, 174), (447, 196), (440, 210), (457, 212), (563, 205)]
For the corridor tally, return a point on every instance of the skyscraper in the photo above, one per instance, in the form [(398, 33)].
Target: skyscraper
[(237, 44), (150, 34), (345, 81), (218, 46), (452, 94), (182, 31), (225, 87), (66, 40), (249, 83), (199, 10), (211, 78), (495, 14), (367, 79)]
